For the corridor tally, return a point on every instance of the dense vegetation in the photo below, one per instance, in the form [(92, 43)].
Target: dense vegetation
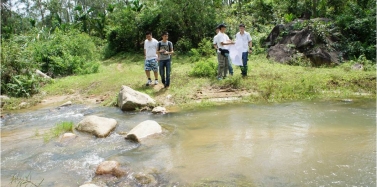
[(63, 38)]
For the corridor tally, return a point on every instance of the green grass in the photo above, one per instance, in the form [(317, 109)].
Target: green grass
[(57, 130), (273, 82)]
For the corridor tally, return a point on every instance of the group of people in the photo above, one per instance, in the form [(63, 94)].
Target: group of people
[(158, 54), (157, 57), (222, 43)]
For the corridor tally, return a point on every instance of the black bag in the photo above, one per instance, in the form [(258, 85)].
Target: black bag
[(224, 51)]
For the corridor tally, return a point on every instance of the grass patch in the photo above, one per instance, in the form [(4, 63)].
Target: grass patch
[(272, 82), (57, 130)]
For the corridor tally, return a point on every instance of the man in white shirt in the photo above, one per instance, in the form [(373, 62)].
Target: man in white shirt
[(217, 50), (150, 55), (247, 44), (222, 40)]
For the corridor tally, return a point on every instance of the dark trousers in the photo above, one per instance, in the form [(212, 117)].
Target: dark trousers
[(244, 62), (165, 68)]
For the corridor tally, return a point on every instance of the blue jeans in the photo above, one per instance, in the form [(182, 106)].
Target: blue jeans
[(244, 62), (165, 68), (229, 64)]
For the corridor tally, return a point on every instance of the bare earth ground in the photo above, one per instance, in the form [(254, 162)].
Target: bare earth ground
[(206, 93)]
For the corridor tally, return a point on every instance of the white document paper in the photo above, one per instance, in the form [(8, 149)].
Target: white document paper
[(235, 53)]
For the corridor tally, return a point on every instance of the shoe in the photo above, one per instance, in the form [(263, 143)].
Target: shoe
[(149, 82), (219, 78), (155, 82)]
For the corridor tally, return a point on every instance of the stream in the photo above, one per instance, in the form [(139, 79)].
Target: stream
[(302, 143)]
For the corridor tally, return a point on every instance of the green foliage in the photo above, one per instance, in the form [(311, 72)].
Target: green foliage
[(358, 26), (57, 130), (234, 82), (66, 54), (204, 68), (18, 77), (288, 17), (183, 45)]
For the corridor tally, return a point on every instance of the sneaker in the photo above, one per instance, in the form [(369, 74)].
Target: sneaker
[(149, 82), (155, 82), (219, 78)]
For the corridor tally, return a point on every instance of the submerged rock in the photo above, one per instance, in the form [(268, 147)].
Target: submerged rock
[(99, 126), (145, 179), (130, 99), (67, 137), (110, 168), (159, 109), (89, 185), (144, 129)]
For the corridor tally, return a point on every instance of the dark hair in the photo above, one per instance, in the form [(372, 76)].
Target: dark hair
[(242, 25), (164, 33), (222, 25), (148, 33)]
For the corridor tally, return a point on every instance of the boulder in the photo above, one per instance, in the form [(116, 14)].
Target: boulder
[(301, 36), (357, 67), (3, 100), (99, 126), (321, 56), (110, 168), (144, 129), (281, 53), (130, 99), (159, 109)]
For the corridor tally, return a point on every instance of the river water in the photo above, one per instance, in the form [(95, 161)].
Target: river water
[(316, 143)]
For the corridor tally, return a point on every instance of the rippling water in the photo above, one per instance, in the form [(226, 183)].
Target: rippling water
[(322, 143)]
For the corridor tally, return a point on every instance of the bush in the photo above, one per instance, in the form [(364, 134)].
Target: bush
[(66, 54), (204, 68), (18, 77)]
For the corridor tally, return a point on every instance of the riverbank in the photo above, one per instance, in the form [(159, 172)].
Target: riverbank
[(267, 82)]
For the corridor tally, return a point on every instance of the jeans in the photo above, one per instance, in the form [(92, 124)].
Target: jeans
[(229, 64), (165, 68), (244, 62)]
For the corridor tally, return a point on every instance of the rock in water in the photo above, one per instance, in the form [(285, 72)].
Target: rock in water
[(130, 99), (144, 129), (99, 126)]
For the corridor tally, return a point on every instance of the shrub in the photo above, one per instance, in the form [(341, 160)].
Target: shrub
[(18, 77), (204, 68), (66, 54)]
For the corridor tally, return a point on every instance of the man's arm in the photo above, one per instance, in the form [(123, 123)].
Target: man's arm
[(145, 54)]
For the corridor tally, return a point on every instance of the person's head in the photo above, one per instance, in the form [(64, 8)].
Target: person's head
[(148, 35), (222, 28), (217, 29), (165, 35), (242, 27)]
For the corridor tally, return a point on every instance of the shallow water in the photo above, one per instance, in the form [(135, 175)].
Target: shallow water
[(321, 143)]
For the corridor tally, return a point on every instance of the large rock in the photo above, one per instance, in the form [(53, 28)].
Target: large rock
[(110, 168), (3, 100), (304, 37), (99, 126), (130, 99), (159, 109), (144, 129)]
